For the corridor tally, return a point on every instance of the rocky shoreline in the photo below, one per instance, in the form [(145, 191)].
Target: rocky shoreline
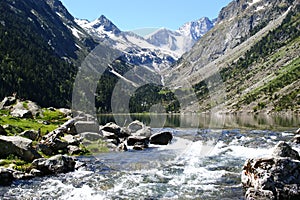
[(55, 151)]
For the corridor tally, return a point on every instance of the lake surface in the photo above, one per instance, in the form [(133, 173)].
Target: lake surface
[(200, 163)]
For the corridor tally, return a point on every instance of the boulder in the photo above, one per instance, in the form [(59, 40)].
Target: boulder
[(90, 136), (132, 140), (282, 149), (115, 129), (66, 112), (276, 177), (6, 177), (134, 126), (54, 165), (296, 139), (122, 147), (298, 131), (30, 106), (21, 113), (2, 131), (7, 101), (19, 146), (74, 150), (162, 138), (87, 126), (137, 128), (30, 134), (72, 140)]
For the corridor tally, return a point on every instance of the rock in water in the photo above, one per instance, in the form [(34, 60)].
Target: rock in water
[(6, 177), (163, 138), (54, 165), (18, 146), (276, 177)]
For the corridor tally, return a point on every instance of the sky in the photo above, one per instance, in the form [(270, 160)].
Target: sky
[(136, 14)]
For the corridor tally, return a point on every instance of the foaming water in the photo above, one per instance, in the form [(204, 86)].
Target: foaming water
[(204, 165)]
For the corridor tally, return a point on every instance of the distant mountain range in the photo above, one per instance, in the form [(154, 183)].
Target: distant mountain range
[(168, 45), (245, 60)]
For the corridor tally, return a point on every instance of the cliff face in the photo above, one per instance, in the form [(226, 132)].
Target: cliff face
[(240, 26)]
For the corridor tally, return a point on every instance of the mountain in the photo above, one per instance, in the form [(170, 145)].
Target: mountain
[(39, 50), (181, 40), (248, 62), (167, 45)]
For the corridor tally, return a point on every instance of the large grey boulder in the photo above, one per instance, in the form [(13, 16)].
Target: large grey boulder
[(163, 138), (275, 177), (18, 146), (138, 128), (87, 126), (54, 165), (6, 177), (2, 131)]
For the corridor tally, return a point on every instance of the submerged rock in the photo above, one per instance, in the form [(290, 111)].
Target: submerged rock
[(163, 138), (276, 177)]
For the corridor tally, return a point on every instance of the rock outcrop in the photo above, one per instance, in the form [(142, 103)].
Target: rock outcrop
[(19, 146), (275, 177)]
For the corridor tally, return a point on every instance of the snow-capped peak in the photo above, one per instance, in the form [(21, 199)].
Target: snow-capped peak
[(196, 29)]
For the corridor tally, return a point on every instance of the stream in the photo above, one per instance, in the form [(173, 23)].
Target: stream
[(200, 163)]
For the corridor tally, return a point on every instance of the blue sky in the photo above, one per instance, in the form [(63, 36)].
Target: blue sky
[(135, 14)]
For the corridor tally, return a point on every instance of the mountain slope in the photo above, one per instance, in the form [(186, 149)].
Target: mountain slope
[(38, 51), (219, 64)]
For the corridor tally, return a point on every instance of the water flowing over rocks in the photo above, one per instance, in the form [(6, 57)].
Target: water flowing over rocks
[(274, 177)]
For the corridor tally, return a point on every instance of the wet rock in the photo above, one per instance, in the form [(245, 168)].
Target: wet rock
[(18, 146), (122, 147), (87, 126), (163, 138), (298, 131), (36, 172), (6, 177), (277, 176), (282, 149), (137, 128), (132, 140), (91, 136), (139, 146), (296, 139), (54, 165), (2, 131), (30, 134), (115, 129), (20, 113)]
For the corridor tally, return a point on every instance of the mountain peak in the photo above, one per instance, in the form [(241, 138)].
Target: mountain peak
[(106, 25), (197, 28)]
